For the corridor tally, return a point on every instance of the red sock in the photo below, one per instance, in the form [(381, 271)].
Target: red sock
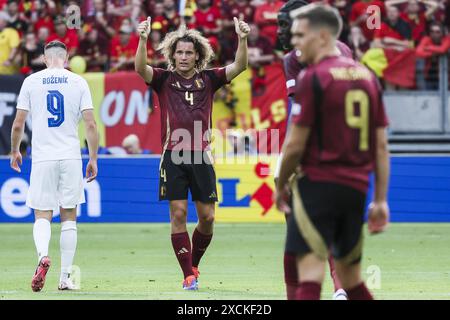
[(182, 247), (200, 242), (336, 282), (290, 275), (360, 292), (308, 290)]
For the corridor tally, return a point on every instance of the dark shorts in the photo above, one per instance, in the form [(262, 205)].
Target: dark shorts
[(326, 217), (175, 178)]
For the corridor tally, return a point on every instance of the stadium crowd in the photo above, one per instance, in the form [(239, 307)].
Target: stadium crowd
[(105, 35)]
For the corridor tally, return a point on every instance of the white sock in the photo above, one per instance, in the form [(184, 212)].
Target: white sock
[(42, 232), (68, 244)]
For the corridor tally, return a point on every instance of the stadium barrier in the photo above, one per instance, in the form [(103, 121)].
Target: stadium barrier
[(126, 190)]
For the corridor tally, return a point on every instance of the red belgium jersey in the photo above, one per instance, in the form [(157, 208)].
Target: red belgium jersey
[(341, 101)]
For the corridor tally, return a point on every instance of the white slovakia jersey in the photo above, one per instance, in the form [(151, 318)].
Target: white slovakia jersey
[(55, 98)]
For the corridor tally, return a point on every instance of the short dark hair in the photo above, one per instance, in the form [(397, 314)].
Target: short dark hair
[(319, 15), (55, 44)]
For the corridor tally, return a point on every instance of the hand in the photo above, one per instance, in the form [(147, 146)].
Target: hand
[(91, 170), (242, 28), (378, 218), (7, 63), (100, 18), (144, 28), (15, 160), (281, 198)]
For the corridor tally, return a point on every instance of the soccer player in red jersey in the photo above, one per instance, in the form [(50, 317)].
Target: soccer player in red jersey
[(292, 68), (338, 137), (185, 92)]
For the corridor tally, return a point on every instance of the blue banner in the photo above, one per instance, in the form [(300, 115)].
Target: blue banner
[(126, 190)]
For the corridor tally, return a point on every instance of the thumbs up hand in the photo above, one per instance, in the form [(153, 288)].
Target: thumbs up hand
[(144, 28), (242, 28)]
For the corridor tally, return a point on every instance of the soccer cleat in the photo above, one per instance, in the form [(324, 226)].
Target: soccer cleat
[(66, 285), (38, 281), (340, 294), (190, 283)]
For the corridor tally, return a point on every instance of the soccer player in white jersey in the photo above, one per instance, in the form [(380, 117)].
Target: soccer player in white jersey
[(57, 99)]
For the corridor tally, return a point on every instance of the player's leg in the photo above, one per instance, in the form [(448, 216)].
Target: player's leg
[(71, 191), (311, 272), (41, 235), (174, 186), (202, 183), (350, 275), (290, 275), (203, 233), (339, 292), (181, 242), (42, 197), (349, 244), (42, 232), (68, 244), (310, 233)]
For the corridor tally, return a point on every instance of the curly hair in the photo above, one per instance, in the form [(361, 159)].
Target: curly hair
[(201, 46)]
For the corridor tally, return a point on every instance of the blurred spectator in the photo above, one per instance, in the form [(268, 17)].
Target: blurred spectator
[(155, 58), (207, 19), (9, 45), (94, 50), (138, 15), (42, 17), (32, 54), (240, 9), (132, 145), (260, 50), (158, 21), (123, 48), (359, 16), (260, 53), (121, 8), (68, 36), (446, 13), (102, 21), (394, 33), (15, 19), (358, 43), (415, 16), (43, 35), (168, 17), (344, 7), (430, 49), (266, 19)]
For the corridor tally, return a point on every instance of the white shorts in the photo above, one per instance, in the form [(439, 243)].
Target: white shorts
[(55, 184)]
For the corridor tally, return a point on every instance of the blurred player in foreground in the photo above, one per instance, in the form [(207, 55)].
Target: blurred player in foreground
[(292, 68), (185, 94), (56, 99), (338, 136)]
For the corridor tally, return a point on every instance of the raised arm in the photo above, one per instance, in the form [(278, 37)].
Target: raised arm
[(432, 6), (390, 3), (241, 59), (140, 62)]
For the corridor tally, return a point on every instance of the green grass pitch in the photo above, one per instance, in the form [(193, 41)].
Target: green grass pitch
[(244, 261)]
